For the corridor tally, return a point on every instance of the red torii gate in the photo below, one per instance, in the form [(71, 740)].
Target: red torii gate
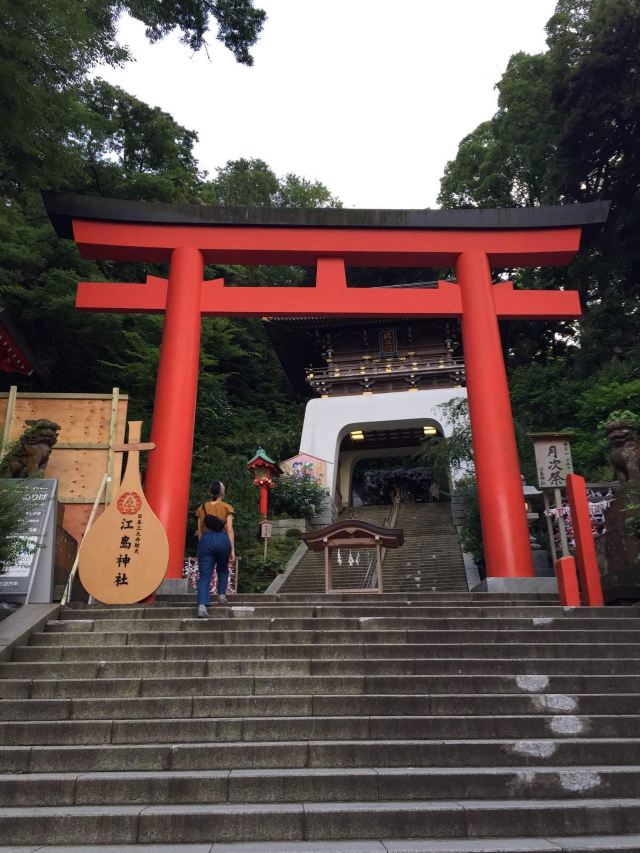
[(471, 241)]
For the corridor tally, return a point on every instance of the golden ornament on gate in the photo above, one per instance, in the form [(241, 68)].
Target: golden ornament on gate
[(124, 556)]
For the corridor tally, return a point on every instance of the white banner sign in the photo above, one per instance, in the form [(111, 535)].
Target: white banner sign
[(265, 529), (553, 461)]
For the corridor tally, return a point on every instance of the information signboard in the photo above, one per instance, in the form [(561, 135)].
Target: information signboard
[(265, 529), (553, 459), (30, 578)]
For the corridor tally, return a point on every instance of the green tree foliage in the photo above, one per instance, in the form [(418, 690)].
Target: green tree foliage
[(61, 130), (239, 23), (453, 454), (47, 48), (252, 183), (471, 528), (566, 130)]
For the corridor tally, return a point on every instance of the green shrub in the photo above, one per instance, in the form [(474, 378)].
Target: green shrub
[(471, 529), (297, 495), (293, 533), (256, 573), (621, 415), (15, 503)]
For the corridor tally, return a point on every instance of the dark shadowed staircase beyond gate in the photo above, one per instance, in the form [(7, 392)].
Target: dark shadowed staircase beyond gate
[(429, 561), (412, 722)]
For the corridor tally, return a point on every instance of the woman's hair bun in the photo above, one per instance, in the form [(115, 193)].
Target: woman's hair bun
[(215, 488)]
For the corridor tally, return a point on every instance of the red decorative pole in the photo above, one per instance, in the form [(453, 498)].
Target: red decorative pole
[(264, 470), (568, 589), (504, 524), (168, 475), (586, 559)]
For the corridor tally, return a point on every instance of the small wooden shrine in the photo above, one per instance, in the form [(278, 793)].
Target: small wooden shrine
[(354, 534)]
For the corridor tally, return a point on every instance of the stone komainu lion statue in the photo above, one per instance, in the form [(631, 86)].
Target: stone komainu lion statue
[(624, 437), (31, 452)]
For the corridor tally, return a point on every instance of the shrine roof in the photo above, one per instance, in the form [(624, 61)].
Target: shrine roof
[(261, 454), (353, 528), (64, 207), (16, 355)]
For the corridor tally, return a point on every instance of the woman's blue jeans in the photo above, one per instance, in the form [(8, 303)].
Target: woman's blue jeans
[(213, 553)]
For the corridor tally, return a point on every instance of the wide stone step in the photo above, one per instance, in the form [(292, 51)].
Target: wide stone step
[(330, 820), (430, 609), (370, 636), (306, 605), (204, 730), (315, 685), (479, 630), (540, 624), (566, 844), (525, 660), (316, 785), (82, 648), (296, 598), (574, 844), (183, 707), (419, 642), (564, 752)]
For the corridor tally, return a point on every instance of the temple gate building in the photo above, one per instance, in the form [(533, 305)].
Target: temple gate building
[(378, 386)]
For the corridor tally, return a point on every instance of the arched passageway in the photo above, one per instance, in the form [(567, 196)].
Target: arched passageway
[(391, 425)]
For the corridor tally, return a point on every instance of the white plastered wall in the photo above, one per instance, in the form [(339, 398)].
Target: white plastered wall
[(327, 421)]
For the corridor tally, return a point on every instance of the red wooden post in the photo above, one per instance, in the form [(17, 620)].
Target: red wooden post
[(168, 475), (264, 500), (585, 546), (568, 588), (504, 524)]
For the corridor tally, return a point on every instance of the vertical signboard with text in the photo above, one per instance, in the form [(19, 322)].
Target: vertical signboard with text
[(553, 459), (30, 577)]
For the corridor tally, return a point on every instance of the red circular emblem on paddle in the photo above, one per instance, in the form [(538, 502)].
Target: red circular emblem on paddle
[(129, 503)]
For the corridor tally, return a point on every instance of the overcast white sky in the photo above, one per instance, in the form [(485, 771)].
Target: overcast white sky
[(371, 97)]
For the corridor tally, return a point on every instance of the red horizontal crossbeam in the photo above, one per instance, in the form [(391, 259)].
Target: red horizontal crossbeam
[(535, 304), (328, 299), (127, 241)]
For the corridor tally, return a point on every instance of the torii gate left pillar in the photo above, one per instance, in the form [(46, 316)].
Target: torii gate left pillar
[(168, 477), (472, 241)]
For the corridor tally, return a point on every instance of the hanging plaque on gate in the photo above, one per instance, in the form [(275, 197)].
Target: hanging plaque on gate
[(124, 556)]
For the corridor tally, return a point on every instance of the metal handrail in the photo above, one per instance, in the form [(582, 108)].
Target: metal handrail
[(369, 576), (392, 515)]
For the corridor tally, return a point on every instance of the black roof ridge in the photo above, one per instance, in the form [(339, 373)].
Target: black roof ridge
[(63, 207)]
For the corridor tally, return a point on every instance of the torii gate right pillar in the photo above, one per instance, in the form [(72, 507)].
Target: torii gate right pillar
[(504, 526)]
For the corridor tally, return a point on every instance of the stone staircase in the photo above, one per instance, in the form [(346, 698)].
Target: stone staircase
[(430, 559), (421, 722)]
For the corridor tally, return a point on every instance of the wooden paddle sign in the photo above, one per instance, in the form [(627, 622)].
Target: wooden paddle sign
[(124, 556)]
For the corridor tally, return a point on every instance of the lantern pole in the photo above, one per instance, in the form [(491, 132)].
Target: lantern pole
[(264, 470)]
